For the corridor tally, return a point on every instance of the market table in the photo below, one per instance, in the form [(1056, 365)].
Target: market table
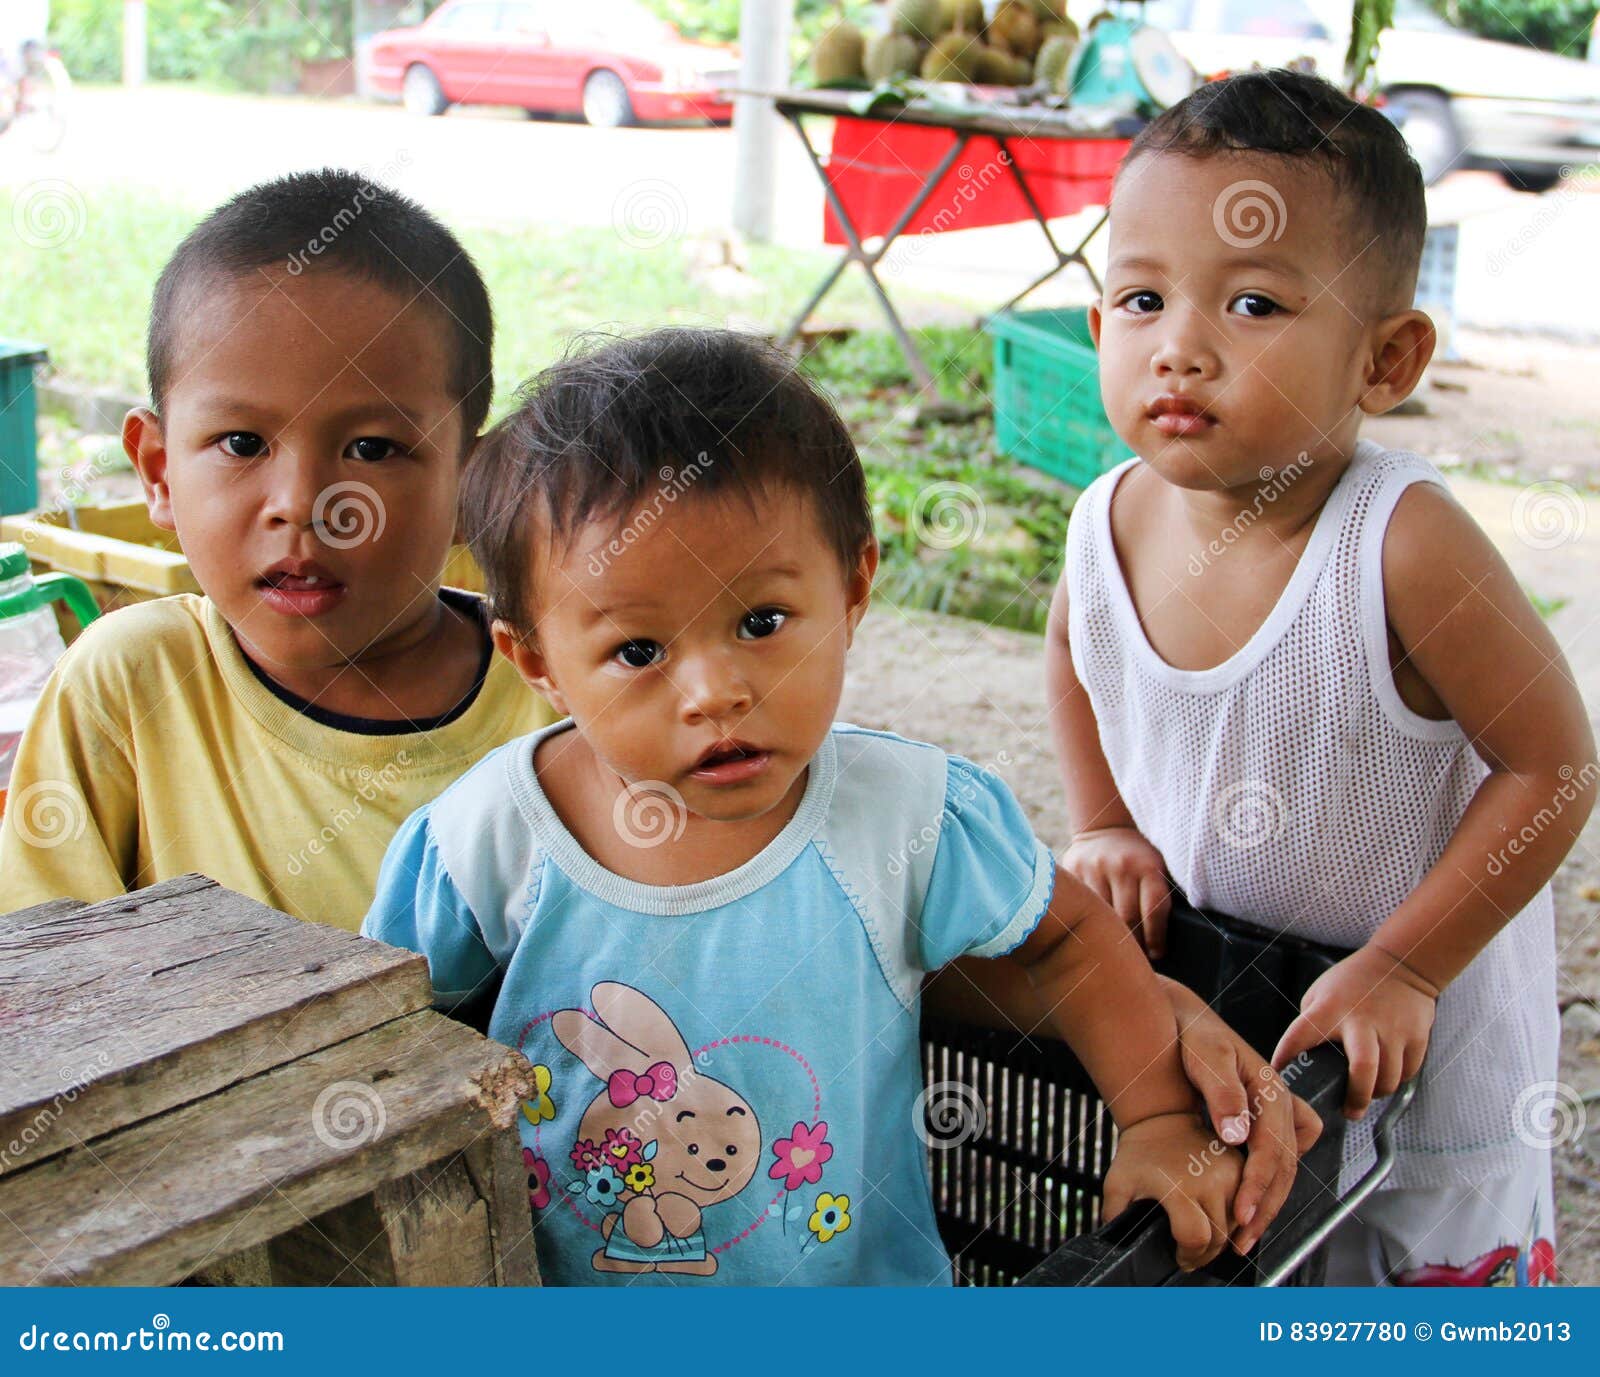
[(191, 1076), (884, 169)]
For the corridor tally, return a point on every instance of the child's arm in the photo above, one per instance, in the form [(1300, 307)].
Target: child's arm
[(71, 823), (1103, 999), (1459, 618), (418, 906), (1107, 851), (1235, 1081)]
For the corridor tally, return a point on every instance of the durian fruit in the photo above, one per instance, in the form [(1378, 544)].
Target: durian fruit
[(922, 19), (954, 57), (838, 55), (996, 67), (1047, 11), (1015, 29), (1055, 57), (963, 15), (890, 56), (1059, 28)]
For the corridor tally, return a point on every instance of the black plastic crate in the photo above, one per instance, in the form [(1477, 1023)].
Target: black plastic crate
[(1018, 1201)]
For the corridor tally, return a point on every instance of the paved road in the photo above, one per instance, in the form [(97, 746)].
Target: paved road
[(1527, 262)]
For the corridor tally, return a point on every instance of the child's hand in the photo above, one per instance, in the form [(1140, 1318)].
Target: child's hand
[(1379, 1009), (1250, 1106), (1119, 865), (1156, 1160)]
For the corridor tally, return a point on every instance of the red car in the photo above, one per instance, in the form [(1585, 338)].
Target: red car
[(610, 60)]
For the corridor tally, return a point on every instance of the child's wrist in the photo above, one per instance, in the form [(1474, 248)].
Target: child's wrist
[(1405, 969)]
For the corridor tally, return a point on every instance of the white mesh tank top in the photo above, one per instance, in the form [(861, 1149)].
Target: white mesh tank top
[(1290, 786)]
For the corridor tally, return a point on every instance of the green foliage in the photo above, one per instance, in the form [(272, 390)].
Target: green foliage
[(717, 21), (1561, 26), (251, 46)]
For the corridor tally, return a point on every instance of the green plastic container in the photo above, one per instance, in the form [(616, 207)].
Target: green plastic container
[(19, 427), (1047, 411)]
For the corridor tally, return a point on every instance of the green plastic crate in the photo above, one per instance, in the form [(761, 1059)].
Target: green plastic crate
[(1047, 411), (19, 434)]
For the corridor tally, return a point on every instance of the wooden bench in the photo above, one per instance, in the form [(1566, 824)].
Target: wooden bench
[(193, 1083)]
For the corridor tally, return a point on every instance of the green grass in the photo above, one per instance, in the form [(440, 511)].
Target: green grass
[(87, 300)]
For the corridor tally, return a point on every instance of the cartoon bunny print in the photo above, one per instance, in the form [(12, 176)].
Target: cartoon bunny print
[(661, 1140)]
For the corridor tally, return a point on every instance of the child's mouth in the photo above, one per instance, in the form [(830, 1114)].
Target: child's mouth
[(303, 593), (731, 762), (1179, 416)]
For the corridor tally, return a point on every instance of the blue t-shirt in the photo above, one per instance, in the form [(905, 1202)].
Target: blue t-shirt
[(728, 1071)]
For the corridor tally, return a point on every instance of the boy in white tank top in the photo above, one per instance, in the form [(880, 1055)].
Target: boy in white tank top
[(1291, 678)]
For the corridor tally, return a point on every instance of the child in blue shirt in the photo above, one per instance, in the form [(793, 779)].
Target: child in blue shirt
[(710, 907)]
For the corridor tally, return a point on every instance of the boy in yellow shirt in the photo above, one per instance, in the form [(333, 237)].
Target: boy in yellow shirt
[(319, 358)]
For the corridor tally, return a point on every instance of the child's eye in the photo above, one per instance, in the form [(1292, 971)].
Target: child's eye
[(640, 654), (760, 623), (372, 448), (1254, 305), (242, 444), (1143, 303)]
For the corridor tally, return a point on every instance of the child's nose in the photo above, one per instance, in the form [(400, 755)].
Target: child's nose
[(712, 689), (293, 491), (1186, 350)]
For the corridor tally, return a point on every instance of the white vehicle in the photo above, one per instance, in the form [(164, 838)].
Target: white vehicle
[(1461, 100)]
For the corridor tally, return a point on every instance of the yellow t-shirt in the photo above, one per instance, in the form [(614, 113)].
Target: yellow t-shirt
[(156, 750)]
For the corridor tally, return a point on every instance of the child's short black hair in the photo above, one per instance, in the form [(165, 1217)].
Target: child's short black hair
[(338, 221), (1291, 115), (658, 418)]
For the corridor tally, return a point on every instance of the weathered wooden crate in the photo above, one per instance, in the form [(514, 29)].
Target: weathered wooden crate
[(191, 1077)]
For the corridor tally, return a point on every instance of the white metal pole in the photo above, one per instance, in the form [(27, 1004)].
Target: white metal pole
[(133, 42), (764, 27)]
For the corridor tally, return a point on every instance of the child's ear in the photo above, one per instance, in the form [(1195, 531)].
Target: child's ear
[(1094, 324), (858, 594), (525, 654), (1403, 344), (146, 449)]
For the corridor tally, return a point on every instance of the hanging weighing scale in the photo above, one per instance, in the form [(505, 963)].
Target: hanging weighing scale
[(1126, 64)]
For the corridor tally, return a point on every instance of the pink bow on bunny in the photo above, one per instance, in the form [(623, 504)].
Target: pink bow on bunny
[(660, 1082)]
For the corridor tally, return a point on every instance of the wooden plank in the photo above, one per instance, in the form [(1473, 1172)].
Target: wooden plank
[(113, 1012), (154, 1203), (460, 1222)]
